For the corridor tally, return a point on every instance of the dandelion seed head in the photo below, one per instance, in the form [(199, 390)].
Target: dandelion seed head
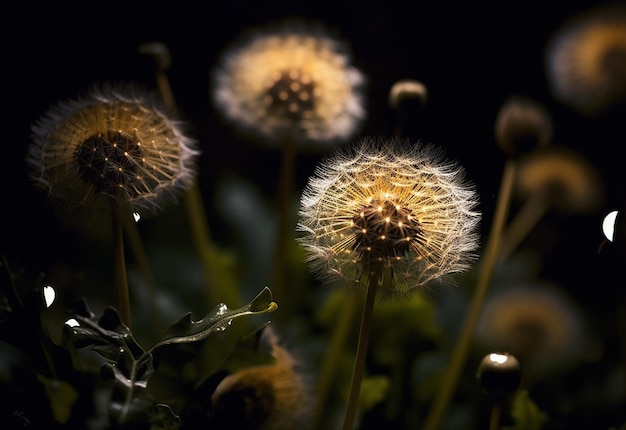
[(586, 60), (293, 81), (387, 203), (115, 142), (522, 125)]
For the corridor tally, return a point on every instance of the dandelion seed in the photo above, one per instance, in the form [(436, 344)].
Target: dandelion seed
[(586, 60), (387, 204), (291, 82), (116, 142)]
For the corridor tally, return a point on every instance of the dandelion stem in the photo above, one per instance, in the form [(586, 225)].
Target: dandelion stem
[(361, 351), (121, 279), (285, 194), (494, 419), (332, 356), (453, 370), (524, 221), (136, 245)]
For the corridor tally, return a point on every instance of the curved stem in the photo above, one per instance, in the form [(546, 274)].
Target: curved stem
[(327, 374), (361, 351), (455, 365)]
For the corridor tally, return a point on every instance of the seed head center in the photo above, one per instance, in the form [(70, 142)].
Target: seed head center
[(108, 160), (384, 230), (291, 94)]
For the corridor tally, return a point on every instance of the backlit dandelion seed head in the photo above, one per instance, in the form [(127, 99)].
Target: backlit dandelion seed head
[(294, 82), (586, 60), (391, 205), (115, 142)]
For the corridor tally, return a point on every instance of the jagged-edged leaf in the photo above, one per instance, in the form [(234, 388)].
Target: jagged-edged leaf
[(186, 330)]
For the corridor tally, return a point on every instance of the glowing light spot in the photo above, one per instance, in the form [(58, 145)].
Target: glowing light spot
[(608, 225), (72, 322), (136, 216), (387, 219), (49, 295), (498, 358)]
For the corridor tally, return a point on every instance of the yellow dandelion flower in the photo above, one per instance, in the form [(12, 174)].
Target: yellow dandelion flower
[(387, 204), (115, 142), (293, 82), (539, 324), (586, 60)]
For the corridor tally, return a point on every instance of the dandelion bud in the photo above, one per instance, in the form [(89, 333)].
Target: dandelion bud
[(522, 125), (499, 374), (292, 82), (388, 205), (113, 143), (407, 96)]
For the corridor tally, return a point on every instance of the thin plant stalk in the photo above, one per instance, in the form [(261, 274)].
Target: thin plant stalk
[(329, 365), (136, 245), (285, 195), (453, 370), (193, 201), (361, 351), (494, 418), (527, 218), (119, 264)]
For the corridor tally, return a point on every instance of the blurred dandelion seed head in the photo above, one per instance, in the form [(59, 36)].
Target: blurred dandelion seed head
[(539, 324), (292, 82), (390, 204), (571, 181), (586, 60), (114, 142)]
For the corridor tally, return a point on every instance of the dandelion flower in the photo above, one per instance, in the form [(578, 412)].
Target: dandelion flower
[(291, 82), (538, 324), (386, 204), (586, 60), (271, 397), (115, 142)]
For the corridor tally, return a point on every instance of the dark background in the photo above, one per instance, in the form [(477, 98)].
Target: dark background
[(470, 55)]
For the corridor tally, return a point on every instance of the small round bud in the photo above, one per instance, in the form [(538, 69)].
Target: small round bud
[(499, 374), (408, 96), (522, 125)]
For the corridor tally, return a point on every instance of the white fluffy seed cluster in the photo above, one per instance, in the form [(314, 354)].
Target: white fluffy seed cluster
[(290, 82), (387, 204)]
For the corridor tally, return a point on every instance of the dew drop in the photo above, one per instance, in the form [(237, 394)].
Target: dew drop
[(72, 322), (136, 216), (221, 309)]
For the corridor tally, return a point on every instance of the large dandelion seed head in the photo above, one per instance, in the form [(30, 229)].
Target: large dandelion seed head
[(586, 60), (292, 82), (386, 204), (116, 142)]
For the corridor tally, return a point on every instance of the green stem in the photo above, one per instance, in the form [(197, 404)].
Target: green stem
[(455, 365), (283, 223), (333, 353), (119, 260), (361, 351), (216, 291), (533, 209)]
